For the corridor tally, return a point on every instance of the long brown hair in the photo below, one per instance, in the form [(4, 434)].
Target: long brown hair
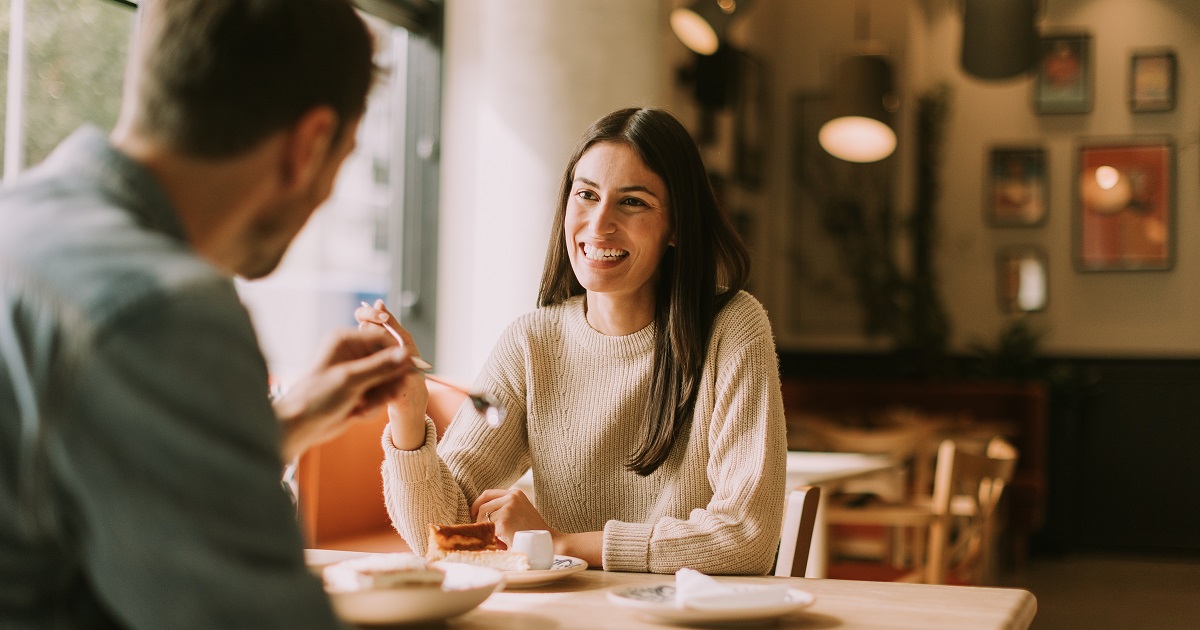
[(707, 266)]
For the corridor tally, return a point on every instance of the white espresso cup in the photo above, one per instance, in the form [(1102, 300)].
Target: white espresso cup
[(538, 547)]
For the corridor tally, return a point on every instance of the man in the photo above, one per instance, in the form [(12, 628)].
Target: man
[(139, 455)]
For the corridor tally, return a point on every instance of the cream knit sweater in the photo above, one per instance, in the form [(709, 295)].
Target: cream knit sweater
[(575, 399)]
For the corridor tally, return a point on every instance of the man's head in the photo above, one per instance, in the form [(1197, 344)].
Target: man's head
[(213, 78), (245, 109)]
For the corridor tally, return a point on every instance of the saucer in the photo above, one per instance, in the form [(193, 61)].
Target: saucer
[(562, 567), (658, 602)]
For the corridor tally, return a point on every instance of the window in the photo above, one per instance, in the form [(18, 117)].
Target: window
[(373, 237), (64, 61)]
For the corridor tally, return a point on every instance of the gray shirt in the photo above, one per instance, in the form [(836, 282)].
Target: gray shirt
[(139, 455)]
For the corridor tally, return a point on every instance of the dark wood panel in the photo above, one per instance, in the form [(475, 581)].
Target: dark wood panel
[(1121, 446)]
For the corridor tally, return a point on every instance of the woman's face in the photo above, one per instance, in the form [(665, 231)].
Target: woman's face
[(617, 222)]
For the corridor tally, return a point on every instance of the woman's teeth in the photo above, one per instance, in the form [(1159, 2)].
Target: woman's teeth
[(598, 253)]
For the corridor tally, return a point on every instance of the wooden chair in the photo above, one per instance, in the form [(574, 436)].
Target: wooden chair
[(340, 489), (957, 521), (795, 535), (905, 439)]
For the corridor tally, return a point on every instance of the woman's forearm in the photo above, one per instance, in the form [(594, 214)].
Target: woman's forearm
[(407, 430), (587, 546)]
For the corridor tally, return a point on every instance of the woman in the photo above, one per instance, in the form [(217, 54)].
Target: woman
[(643, 392)]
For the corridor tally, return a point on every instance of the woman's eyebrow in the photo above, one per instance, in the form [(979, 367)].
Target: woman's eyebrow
[(634, 188)]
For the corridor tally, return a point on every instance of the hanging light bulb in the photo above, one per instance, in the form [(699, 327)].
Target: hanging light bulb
[(860, 129), (999, 37), (701, 25)]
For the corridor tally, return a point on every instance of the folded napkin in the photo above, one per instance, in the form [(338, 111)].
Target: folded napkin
[(695, 590)]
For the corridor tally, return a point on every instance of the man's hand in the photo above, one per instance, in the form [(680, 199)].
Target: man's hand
[(360, 371)]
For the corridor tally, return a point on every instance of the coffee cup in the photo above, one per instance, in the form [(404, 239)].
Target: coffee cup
[(538, 547)]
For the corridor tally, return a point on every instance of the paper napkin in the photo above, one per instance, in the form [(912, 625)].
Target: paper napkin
[(696, 590)]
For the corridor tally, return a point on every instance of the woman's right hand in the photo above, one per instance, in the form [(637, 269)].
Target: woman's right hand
[(406, 412)]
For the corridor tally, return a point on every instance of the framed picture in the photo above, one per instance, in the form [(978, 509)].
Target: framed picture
[(1152, 81), (1064, 78), (1016, 188), (1125, 198), (1021, 279)]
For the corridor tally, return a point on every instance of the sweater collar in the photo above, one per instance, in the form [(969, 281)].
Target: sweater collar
[(631, 345)]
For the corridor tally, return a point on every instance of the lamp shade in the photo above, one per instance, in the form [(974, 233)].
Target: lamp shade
[(860, 127), (1000, 37), (701, 25)]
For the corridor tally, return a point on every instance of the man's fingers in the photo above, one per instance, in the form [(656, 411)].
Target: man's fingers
[(392, 364)]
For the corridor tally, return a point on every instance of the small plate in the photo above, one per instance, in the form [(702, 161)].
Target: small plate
[(562, 567), (463, 588), (658, 601)]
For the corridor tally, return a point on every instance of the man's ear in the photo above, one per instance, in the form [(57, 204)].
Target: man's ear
[(307, 146)]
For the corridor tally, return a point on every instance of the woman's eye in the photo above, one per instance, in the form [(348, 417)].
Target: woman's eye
[(586, 194), (633, 201)]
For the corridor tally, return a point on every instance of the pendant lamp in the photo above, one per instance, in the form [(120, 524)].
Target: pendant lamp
[(702, 24), (860, 126), (999, 38)]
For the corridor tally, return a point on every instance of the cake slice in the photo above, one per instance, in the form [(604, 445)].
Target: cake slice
[(472, 543), (382, 570)]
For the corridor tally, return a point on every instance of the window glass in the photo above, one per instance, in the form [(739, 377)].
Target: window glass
[(343, 255), (75, 64)]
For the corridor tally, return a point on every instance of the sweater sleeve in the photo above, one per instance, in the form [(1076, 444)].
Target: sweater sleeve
[(737, 532), (438, 482)]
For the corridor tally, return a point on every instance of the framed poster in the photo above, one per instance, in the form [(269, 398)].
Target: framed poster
[(1064, 77), (1017, 190), (1021, 279), (1152, 81), (1125, 198)]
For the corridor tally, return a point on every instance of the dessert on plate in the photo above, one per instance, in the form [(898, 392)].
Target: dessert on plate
[(382, 570), (472, 543)]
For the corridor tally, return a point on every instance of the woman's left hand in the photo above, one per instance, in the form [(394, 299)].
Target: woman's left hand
[(511, 511)]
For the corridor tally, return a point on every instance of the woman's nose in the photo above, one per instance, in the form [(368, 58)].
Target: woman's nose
[(604, 218)]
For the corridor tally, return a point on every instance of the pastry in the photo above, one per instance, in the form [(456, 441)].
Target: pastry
[(382, 570), (473, 543)]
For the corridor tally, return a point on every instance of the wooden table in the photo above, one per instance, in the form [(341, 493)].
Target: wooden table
[(581, 602), (830, 471)]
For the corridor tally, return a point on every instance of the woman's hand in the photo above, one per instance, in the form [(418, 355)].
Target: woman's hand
[(511, 511), (406, 410)]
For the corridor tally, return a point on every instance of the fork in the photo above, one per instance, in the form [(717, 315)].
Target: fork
[(484, 402)]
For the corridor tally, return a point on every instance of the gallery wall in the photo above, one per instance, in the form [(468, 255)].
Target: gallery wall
[(1150, 313), (1144, 313)]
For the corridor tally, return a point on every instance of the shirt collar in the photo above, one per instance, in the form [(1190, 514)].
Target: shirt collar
[(87, 153)]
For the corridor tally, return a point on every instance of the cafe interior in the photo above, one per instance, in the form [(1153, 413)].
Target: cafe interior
[(969, 220), (1001, 248)]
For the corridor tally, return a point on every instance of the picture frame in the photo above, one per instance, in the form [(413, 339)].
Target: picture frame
[(1125, 205), (1064, 74), (1022, 279), (1016, 189), (1152, 76)]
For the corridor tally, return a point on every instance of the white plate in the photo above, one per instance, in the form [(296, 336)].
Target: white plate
[(464, 588), (562, 567), (658, 601)]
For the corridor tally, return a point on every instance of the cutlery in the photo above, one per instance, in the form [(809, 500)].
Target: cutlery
[(484, 402)]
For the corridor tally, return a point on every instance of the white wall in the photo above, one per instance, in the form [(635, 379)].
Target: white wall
[(523, 80)]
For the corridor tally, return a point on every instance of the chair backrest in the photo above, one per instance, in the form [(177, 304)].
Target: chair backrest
[(795, 535), (967, 488), (339, 486)]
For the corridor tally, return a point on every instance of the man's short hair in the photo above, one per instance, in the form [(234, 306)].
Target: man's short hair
[(214, 78)]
